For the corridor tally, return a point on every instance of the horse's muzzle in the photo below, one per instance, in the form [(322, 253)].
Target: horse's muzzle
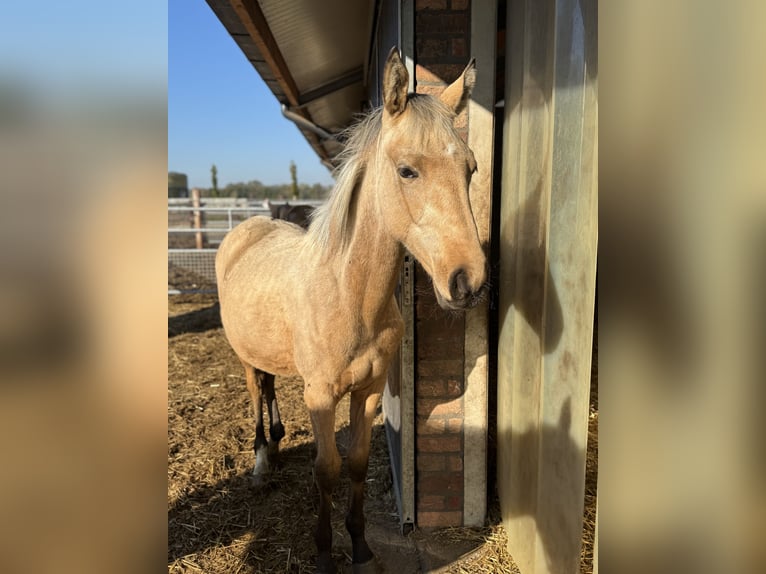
[(462, 294)]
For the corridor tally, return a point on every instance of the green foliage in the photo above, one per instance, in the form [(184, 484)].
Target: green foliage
[(294, 179), (256, 190), (214, 181)]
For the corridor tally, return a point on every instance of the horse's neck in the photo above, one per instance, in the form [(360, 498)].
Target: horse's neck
[(371, 262)]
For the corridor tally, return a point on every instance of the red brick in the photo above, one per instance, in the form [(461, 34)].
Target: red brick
[(454, 462), (433, 348), (453, 502), (454, 388), (459, 4), (453, 23), (447, 443), (431, 388), (435, 320), (423, 74), (433, 462), (448, 368), (440, 483), (430, 4), (454, 425), (438, 407), (427, 425), (432, 502), (429, 48), (439, 519), (447, 72), (458, 47)]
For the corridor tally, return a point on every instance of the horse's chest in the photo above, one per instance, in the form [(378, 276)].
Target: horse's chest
[(348, 355), (368, 365), (369, 360)]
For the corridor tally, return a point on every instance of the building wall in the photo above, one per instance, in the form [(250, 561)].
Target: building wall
[(439, 409), (439, 391), (442, 49)]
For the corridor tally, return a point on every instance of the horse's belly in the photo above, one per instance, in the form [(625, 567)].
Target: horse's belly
[(264, 344), (256, 285)]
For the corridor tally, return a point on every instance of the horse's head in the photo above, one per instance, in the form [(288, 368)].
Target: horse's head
[(425, 169)]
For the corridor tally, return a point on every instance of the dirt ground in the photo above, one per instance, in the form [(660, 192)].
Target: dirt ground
[(217, 523)]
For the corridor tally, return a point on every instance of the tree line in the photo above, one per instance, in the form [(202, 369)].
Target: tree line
[(256, 190), (251, 189)]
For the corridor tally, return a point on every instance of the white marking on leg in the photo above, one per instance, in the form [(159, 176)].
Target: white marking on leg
[(262, 462)]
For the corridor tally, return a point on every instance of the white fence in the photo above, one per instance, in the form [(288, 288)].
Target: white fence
[(195, 232)]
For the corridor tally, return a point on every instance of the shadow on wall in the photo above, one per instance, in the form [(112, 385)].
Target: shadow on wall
[(531, 289), (553, 515)]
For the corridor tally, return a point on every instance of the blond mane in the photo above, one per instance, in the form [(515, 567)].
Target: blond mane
[(329, 232)]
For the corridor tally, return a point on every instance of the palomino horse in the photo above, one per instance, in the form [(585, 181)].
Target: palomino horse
[(321, 303)]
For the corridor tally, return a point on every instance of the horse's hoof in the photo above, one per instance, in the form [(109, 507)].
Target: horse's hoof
[(326, 565), (258, 481), (372, 566)]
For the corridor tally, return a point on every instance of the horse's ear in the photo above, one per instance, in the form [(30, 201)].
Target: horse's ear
[(456, 95), (395, 83)]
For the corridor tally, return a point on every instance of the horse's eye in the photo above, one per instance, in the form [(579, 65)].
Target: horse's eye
[(407, 172)]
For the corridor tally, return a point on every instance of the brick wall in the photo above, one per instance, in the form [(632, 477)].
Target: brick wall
[(442, 49), (442, 46), (438, 409)]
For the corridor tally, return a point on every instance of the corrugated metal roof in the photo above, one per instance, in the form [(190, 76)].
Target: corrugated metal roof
[(310, 53)]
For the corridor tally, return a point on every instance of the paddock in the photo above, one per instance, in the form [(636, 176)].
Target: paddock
[(217, 524)]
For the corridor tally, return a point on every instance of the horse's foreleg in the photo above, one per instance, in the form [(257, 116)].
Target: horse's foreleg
[(363, 408), (276, 428), (254, 380), (326, 473)]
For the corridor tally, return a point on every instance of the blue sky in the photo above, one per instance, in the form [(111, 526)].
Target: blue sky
[(61, 47), (221, 112), (219, 109)]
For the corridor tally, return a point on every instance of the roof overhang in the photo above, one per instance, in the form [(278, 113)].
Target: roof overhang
[(313, 56)]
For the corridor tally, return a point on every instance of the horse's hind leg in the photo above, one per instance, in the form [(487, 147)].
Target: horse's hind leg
[(276, 428), (254, 379)]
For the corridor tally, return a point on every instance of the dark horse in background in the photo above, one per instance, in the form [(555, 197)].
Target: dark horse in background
[(297, 214)]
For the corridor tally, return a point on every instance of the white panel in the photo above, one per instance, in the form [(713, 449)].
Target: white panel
[(548, 240)]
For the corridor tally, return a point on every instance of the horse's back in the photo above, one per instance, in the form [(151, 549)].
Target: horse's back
[(246, 236)]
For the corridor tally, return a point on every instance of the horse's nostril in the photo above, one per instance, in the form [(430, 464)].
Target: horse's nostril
[(459, 287)]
